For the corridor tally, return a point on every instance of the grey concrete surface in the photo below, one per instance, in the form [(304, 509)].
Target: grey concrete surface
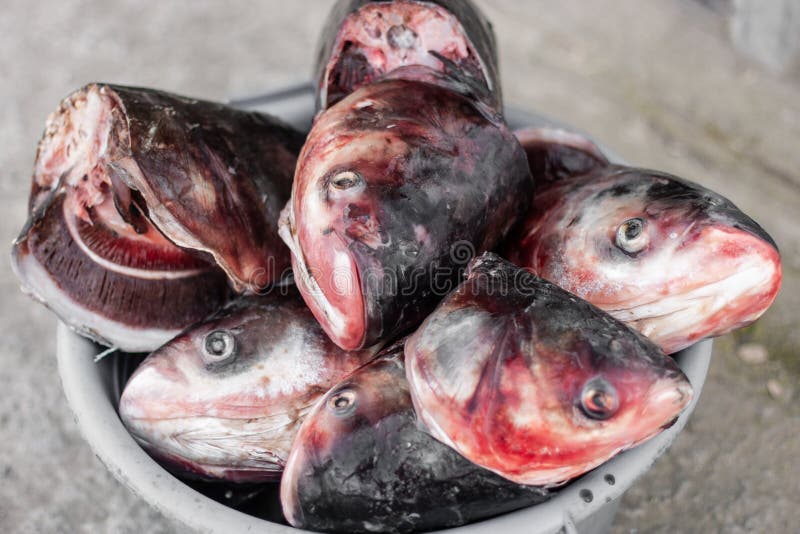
[(655, 79), (768, 32)]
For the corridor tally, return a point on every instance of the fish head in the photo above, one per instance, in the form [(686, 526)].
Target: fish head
[(362, 462), (357, 403), (526, 379), (364, 40), (225, 398), (376, 195), (671, 258), (350, 423), (675, 260), (341, 220), (89, 242)]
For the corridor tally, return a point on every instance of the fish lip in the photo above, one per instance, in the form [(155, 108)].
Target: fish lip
[(288, 487), (677, 391), (722, 213), (165, 437), (758, 231), (740, 221), (288, 233), (665, 396)]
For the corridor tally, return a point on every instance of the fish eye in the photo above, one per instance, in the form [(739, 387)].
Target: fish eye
[(631, 236), (342, 403), (218, 346), (344, 180), (599, 399)]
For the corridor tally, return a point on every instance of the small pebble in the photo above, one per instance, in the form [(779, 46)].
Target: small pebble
[(753, 353), (775, 389)]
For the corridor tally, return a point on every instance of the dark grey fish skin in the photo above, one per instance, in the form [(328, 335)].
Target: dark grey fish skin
[(361, 463), (341, 68), (243, 161)]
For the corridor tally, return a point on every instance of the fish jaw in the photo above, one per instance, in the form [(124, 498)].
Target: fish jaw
[(514, 405), (332, 288), (38, 283), (216, 448), (236, 428)]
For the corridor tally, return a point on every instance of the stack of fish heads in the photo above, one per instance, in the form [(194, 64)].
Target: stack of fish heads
[(398, 185), (149, 212), (670, 258), (364, 39), (361, 463), (533, 383), (142, 202), (225, 398)]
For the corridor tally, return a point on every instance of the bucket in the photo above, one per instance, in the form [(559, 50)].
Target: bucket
[(586, 505)]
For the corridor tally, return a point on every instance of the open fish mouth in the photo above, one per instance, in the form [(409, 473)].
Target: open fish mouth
[(146, 207)]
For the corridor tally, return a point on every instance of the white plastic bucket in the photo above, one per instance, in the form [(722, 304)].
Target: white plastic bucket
[(587, 505)]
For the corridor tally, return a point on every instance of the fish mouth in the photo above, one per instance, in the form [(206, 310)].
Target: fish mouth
[(665, 401), (289, 480), (675, 393), (732, 218), (333, 291), (714, 307)]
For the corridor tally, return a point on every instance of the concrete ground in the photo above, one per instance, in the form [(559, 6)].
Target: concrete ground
[(654, 79)]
